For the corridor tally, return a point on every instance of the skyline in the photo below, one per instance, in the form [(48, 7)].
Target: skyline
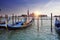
[(21, 6)]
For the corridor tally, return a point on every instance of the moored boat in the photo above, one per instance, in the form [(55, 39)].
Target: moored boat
[(17, 24), (57, 26), (21, 24)]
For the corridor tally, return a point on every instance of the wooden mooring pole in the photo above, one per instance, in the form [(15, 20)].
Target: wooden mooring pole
[(51, 22), (38, 23), (41, 21), (6, 24), (12, 18), (15, 18), (6, 16), (18, 18)]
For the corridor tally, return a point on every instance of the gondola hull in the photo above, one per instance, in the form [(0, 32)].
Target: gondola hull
[(18, 25), (22, 26), (57, 26)]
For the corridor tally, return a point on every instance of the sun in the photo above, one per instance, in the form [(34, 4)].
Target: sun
[(36, 13)]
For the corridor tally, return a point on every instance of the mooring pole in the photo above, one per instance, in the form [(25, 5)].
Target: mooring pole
[(6, 16), (15, 18), (18, 18), (51, 22), (12, 18), (41, 21), (0, 15), (38, 23), (6, 24)]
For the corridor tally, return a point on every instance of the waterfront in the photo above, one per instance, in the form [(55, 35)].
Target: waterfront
[(31, 33)]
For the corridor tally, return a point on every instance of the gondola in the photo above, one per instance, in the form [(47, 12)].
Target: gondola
[(21, 24), (57, 26), (3, 24), (17, 24)]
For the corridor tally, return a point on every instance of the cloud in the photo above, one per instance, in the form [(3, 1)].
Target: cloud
[(53, 6)]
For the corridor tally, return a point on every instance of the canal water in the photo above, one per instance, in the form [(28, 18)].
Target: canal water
[(31, 33)]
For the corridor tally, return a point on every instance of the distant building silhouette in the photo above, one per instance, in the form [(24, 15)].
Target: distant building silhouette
[(43, 15), (57, 16)]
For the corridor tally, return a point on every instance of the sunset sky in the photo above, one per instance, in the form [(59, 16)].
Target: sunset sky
[(21, 6)]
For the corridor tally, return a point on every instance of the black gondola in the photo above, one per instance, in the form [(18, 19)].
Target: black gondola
[(21, 25), (57, 26)]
